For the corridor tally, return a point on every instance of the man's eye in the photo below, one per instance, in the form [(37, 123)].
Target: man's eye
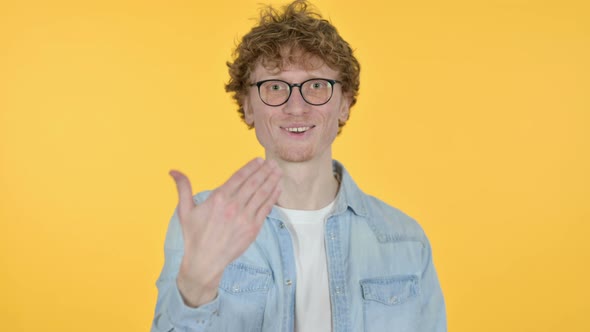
[(318, 85), (276, 87)]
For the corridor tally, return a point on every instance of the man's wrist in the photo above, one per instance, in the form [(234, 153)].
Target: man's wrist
[(195, 292)]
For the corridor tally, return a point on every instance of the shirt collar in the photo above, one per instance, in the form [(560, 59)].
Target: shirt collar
[(349, 195)]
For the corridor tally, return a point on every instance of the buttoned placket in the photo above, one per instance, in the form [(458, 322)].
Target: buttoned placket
[(289, 274), (336, 275)]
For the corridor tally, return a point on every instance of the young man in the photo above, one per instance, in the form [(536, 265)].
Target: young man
[(290, 243)]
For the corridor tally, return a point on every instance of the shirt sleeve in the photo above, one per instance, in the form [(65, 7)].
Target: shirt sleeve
[(171, 313), (434, 318)]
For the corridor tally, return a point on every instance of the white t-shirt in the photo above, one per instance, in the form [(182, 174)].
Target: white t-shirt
[(312, 295)]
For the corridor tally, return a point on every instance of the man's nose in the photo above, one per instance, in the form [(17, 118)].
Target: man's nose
[(296, 104)]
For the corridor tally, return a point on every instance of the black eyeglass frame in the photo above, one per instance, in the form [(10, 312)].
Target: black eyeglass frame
[(296, 85)]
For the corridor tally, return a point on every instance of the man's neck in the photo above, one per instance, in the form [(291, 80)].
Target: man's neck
[(307, 185)]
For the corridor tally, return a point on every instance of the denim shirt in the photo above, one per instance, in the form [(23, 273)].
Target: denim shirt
[(380, 272)]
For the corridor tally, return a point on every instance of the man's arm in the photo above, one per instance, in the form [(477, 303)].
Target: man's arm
[(212, 235), (434, 318), (172, 313)]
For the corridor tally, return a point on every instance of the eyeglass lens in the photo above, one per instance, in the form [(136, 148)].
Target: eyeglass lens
[(315, 92)]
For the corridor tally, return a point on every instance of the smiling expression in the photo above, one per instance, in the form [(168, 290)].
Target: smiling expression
[(296, 131)]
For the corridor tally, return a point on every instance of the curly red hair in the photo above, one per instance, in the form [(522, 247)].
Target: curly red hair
[(292, 36)]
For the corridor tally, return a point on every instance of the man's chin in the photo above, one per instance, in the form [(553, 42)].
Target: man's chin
[(296, 156)]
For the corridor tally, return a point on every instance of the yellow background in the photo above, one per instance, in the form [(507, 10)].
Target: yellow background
[(473, 117)]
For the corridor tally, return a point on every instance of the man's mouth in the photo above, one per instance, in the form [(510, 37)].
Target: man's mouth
[(298, 129)]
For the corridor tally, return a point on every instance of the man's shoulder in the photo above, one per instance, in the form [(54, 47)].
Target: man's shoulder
[(387, 222), (390, 223)]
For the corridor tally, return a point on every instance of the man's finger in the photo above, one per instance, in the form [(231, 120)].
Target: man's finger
[(253, 184), (185, 192), (266, 207), (257, 198), (236, 180)]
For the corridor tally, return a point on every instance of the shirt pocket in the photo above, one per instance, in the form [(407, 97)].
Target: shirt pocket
[(243, 292), (391, 303), (244, 278)]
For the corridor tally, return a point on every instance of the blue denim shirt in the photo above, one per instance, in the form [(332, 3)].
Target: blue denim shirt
[(380, 273)]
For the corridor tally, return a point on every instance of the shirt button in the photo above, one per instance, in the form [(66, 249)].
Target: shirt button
[(338, 290), (288, 282), (282, 225), (236, 288), (393, 300), (332, 236)]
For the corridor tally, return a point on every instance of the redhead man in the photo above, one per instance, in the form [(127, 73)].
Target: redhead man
[(289, 242)]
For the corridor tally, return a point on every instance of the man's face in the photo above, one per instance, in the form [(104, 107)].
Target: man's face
[(296, 131)]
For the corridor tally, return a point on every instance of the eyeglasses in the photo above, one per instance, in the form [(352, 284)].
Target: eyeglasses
[(315, 91)]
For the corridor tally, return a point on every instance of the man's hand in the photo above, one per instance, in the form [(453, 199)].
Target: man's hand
[(220, 229)]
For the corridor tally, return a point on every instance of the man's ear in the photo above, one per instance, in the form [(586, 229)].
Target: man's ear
[(248, 114), (344, 109)]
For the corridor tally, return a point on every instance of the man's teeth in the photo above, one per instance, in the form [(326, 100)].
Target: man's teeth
[(298, 129)]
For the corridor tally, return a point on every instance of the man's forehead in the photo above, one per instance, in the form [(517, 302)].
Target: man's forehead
[(294, 62), (291, 61)]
